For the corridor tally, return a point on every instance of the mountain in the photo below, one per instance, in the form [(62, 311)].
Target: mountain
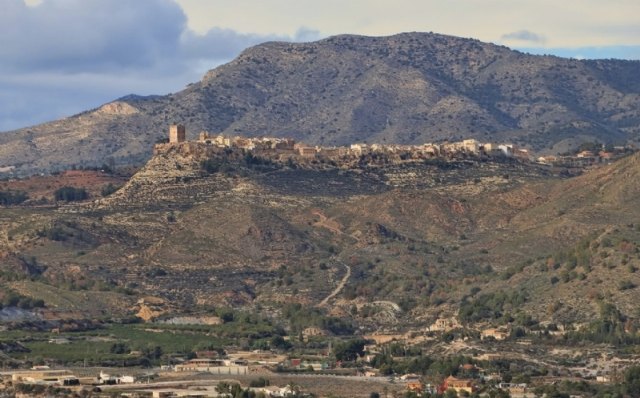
[(407, 88), (402, 243)]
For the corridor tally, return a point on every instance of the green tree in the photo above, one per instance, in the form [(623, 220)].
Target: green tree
[(259, 382), (108, 189), (497, 393), (119, 348), (228, 389), (12, 197), (70, 194), (632, 381), (450, 393), (280, 343), (349, 350), (152, 352)]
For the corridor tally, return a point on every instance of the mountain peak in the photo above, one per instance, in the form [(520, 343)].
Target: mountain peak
[(408, 88)]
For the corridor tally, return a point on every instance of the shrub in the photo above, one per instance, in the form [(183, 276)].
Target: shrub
[(490, 306), (349, 350), (13, 299), (626, 285), (70, 194), (210, 165), (57, 234), (259, 382), (108, 189), (119, 348), (12, 197), (280, 343)]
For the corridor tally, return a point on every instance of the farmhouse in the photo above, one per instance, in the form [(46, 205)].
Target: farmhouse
[(51, 377), (444, 325), (497, 334), (459, 385), (217, 366)]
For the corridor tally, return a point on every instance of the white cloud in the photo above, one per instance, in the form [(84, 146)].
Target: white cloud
[(570, 23), (523, 36), (304, 34), (60, 57), (78, 35)]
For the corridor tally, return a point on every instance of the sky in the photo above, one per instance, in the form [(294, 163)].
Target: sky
[(61, 57)]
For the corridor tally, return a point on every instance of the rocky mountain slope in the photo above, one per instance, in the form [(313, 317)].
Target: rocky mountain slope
[(407, 88), (405, 242)]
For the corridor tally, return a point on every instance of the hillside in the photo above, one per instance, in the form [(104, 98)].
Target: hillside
[(402, 244), (407, 88)]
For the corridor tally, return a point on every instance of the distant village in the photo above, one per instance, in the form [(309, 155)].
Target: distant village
[(469, 148), (201, 375)]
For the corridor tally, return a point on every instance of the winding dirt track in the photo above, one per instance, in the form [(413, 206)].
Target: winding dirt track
[(340, 286), (334, 227)]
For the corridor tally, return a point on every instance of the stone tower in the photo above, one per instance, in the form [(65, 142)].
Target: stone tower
[(177, 133)]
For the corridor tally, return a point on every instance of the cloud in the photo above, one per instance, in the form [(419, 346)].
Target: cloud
[(616, 52), (219, 45), (524, 36), (78, 35), (60, 57), (304, 34)]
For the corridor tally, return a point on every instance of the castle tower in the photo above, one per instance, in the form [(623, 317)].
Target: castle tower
[(177, 133)]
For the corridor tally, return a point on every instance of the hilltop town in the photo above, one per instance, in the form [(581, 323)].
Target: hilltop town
[(282, 149), (461, 87)]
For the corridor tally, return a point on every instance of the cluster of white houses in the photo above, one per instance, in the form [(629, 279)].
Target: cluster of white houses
[(470, 147), (177, 135)]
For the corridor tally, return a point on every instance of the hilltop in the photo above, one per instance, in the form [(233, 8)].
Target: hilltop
[(384, 242), (409, 88)]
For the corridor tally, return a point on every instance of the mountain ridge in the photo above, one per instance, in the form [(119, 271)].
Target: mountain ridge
[(406, 88)]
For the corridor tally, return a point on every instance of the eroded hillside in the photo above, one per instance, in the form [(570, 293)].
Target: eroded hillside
[(405, 242)]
